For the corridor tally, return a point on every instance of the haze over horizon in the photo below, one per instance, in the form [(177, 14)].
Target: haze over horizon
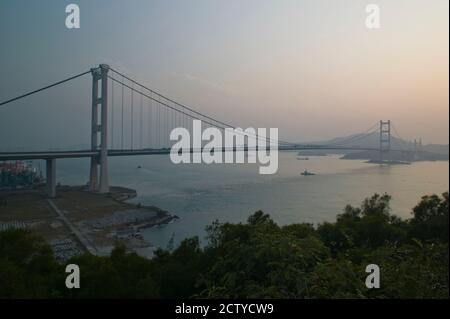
[(310, 68)]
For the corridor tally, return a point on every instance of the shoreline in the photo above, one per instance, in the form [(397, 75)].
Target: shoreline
[(78, 220)]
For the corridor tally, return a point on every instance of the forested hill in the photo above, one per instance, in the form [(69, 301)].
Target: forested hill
[(256, 259)]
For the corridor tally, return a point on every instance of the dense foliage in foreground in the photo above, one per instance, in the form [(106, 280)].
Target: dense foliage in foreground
[(258, 259)]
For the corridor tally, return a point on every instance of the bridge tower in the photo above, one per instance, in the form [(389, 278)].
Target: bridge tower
[(385, 138), (99, 74)]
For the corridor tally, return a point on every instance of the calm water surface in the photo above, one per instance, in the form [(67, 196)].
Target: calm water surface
[(201, 193)]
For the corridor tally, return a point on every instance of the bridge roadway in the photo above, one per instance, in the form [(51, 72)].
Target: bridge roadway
[(10, 156), (51, 156)]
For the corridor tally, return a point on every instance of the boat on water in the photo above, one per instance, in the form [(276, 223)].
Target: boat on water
[(306, 173), (303, 158)]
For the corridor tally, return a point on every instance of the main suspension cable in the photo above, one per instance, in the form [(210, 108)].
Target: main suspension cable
[(44, 88)]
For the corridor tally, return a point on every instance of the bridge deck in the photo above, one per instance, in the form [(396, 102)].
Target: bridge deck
[(4, 156)]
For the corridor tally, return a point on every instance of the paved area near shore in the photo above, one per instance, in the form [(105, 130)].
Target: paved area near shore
[(77, 220), (87, 245)]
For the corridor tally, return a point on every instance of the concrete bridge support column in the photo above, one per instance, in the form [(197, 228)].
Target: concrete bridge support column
[(102, 185), (51, 177), (385, 138), (93, 176), (103, 158)]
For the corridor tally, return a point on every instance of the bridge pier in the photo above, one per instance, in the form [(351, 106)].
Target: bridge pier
[(93, 175), (50, 170), (385, 138), (102, 185), (103, 158)]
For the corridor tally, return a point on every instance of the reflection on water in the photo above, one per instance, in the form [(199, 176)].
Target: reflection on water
[(200, 193)]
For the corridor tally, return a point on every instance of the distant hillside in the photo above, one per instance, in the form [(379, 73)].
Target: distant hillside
[(404, 153), (397, 156)]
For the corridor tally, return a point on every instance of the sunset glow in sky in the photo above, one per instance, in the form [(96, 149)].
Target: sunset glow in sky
[(310, 68)]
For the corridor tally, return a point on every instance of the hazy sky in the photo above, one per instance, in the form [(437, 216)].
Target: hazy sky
[(310, 68)]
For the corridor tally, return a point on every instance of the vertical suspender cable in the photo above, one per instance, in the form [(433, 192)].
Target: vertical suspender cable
[(149, 124), (166, 120), (140, 124), (159, 125), (151, 137), (112, 114), (121, 139), (132, 117)]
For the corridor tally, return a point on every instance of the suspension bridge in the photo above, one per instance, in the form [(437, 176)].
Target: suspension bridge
[(128, 119)]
